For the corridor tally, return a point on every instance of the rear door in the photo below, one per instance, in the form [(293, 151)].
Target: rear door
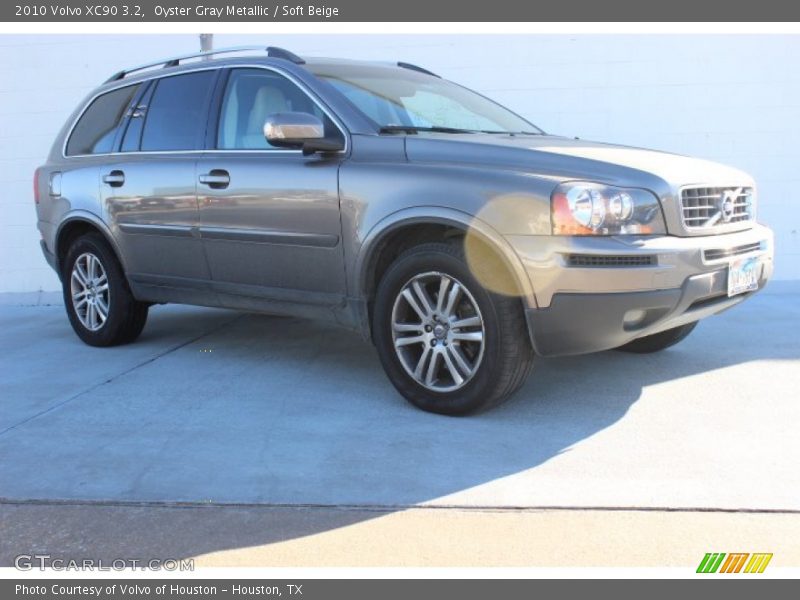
[(150, 188)]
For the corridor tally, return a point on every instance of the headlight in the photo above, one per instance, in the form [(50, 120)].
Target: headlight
[(582, 208)]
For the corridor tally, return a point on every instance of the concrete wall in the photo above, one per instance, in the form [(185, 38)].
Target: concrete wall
[(734, 99)]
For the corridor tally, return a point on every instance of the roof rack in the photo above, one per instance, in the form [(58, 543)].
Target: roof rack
[(272, 52), (411, 67)]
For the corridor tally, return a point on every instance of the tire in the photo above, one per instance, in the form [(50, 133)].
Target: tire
[(492, 365), (125, 317), (658, 341)]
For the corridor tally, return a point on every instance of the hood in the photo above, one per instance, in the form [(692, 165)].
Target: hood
[(565, 158)]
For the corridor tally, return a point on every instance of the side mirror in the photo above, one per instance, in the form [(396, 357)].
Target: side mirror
[(299, 130)]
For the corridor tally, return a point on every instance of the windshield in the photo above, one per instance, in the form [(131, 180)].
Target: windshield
[(398, 99)]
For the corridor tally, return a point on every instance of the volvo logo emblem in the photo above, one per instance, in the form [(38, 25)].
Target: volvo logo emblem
[(727, 203)]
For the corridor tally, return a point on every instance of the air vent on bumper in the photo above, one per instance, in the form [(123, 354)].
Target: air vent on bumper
[(603, 260)]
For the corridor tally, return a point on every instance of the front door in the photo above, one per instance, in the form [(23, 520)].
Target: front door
[(269, 217)]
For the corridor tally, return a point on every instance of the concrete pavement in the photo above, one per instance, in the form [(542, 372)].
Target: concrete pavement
[(237, 536), (215, 407)]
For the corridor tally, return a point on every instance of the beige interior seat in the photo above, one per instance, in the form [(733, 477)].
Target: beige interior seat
[(268, 100)]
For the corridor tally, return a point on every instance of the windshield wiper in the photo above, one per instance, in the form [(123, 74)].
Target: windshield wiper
[(414, 129)]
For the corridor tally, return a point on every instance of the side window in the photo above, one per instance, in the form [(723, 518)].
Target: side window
[(132, 136), (95, 131), (253, 94), (175, 118)]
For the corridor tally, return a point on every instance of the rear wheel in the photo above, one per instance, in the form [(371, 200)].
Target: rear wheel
[(99, 303), (448, 345), (659, 341)]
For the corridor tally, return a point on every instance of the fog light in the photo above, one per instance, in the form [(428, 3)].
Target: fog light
[(634, 317)]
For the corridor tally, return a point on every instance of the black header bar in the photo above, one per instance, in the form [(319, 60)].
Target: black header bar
[(376, 589), (187, 11)]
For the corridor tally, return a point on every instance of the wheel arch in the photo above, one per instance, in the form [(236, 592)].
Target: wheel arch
[(76, 225), (405, 229)]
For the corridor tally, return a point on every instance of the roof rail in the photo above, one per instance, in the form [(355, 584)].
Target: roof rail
[(411, 67), (174, 61), (275, 52)]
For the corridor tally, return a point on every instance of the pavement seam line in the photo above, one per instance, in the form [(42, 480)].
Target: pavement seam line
[(384, 507), (121, 374)]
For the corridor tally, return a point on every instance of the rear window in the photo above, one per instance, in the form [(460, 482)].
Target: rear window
[(95, 131), (177, 113)]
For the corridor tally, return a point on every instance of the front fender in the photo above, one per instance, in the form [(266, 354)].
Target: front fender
[(441, 216)]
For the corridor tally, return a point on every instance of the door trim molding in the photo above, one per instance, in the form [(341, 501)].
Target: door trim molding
[(154, 229), (260, 236)]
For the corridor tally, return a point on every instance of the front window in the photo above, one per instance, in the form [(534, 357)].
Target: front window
[(402, 98), (251, 96)]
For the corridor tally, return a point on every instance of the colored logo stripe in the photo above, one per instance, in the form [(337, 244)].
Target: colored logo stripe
[(758, 563), (734, 562), (710, 562)]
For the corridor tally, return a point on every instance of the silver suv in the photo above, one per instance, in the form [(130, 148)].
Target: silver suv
[(453, 233)]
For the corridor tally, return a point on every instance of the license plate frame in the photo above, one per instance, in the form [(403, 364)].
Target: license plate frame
[(743, 275)]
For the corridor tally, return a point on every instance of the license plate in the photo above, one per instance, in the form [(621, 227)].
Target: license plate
[(743, 276)]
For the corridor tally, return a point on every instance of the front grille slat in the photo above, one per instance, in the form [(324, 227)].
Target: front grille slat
[(599, 260), (718, 253), (701, 205)]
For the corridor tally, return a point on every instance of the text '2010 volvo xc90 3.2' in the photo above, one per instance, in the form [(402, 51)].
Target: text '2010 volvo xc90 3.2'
[(454, 234)]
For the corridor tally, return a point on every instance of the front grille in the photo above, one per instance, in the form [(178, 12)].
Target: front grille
[(600, 260), (717, 253), (707, 207)]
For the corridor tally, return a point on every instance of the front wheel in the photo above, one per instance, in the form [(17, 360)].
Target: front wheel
[(100, 306), (448, 345), (659, 341)]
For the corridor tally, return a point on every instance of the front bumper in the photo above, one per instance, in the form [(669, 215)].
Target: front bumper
[(583, 309)]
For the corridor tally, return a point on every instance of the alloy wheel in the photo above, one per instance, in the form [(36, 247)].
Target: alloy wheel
[(91, 295), (438, 331)]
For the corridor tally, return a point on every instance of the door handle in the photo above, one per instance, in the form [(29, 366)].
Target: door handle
[(115, 178), (217, 179)]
